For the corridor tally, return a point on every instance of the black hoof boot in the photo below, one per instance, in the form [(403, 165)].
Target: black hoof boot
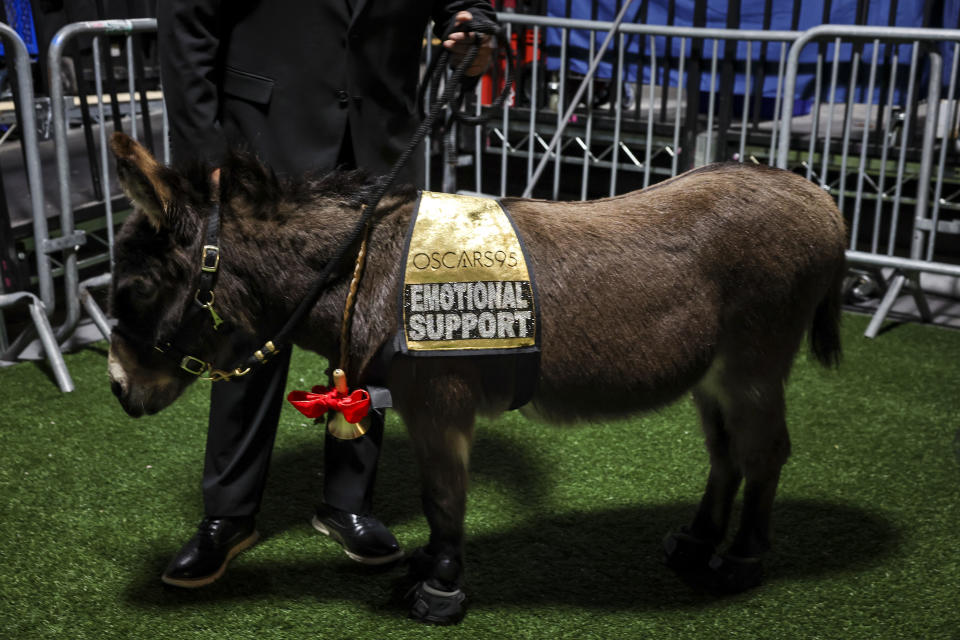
[(686, 553), (435, 597), (436, 606), (733, 574)]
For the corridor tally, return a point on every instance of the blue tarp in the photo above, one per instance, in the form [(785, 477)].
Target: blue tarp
[(20, 18), (909, 14)]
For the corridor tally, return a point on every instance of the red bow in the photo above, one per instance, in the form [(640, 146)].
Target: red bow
[(313, 404)]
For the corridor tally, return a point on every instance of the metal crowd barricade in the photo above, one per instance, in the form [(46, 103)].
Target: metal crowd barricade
[(39, 307), (881, 140), (78, 293), (652, 124)]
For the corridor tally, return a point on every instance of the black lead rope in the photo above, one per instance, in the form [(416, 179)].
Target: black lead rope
[(453, 96), (432, 77)]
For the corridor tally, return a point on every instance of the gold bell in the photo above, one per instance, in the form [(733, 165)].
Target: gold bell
[(337, 425)]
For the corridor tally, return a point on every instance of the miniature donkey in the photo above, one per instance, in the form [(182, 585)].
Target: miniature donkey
[(706, 282)]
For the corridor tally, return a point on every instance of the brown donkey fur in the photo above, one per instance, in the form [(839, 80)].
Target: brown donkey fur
[(706, 282)]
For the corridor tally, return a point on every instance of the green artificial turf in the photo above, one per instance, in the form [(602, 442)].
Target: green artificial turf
[(564, 525)]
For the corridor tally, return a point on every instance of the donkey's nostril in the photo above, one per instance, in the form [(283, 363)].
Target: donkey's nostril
[(116, 388)]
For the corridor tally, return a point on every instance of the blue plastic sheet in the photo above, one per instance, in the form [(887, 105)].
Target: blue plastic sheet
[(637, 54), (20, 18)]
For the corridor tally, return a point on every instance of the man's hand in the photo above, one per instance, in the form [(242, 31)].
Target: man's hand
[(459, 44), (215, 183)]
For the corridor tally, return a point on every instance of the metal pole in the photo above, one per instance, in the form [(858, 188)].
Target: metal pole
[(71, 238), (28, 116), (926, 160), (587, 80)]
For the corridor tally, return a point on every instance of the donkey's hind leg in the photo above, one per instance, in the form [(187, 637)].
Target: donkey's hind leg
[(741, 406), (689, 550), (754, 416)]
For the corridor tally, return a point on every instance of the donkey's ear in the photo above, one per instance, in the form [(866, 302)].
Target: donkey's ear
[(144, 180)]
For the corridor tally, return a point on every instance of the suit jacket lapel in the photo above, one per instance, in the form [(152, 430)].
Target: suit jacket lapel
[(358, 7)]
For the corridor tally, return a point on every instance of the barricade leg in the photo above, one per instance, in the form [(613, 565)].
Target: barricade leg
[(41, 326), (90, 305), (911, 280)]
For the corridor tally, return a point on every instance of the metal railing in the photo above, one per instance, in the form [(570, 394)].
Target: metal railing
[(877, 155), (887, 160), (39, 307), (650, 123), (669, 98), (78, 293)]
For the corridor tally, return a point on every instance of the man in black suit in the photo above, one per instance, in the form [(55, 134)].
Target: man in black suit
[(306, 86)]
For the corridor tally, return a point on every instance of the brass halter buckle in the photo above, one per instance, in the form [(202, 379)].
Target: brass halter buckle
[(194, 366), (211, 258)]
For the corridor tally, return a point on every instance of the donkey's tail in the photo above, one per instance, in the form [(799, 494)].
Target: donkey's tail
[(825, 330)]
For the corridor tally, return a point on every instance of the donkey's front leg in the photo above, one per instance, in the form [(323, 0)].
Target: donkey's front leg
[(443, 449), (439, 414)]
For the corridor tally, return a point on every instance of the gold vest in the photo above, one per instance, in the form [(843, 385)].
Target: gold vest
[(467, 285)]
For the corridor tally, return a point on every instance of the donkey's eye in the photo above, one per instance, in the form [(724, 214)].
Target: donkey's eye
[(134, 298), (143, 291)]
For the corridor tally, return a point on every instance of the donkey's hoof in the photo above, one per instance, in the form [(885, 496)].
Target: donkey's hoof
[(429, 604), (685, 553), (732, 574)]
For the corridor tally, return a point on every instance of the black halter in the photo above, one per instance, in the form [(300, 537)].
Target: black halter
[(203, 299)]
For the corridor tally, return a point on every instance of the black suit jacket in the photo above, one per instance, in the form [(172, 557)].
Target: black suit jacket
[(285, 77)]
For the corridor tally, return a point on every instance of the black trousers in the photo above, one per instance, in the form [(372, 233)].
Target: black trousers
[(242, 428)]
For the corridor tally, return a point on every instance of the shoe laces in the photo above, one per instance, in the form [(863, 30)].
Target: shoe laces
[(209, 528)]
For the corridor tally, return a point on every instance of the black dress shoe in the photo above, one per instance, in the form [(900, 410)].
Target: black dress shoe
[(205, 556), (364, 538)]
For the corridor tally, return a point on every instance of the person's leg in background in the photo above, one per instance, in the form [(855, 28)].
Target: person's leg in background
[(349, 471)]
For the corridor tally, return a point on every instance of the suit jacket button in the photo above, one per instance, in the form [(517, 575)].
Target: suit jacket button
[(343, 96)]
